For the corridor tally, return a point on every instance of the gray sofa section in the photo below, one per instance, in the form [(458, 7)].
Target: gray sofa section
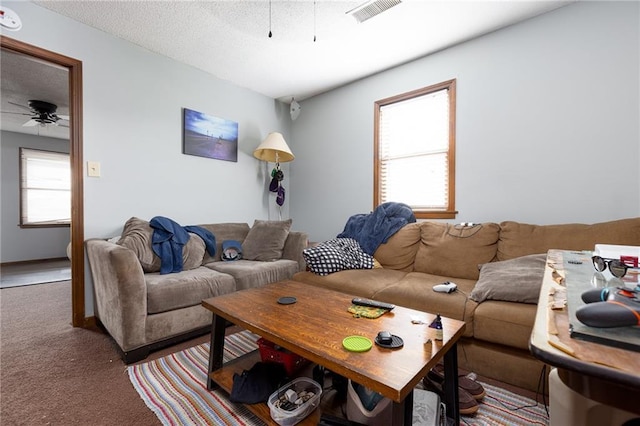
[(144, 311)]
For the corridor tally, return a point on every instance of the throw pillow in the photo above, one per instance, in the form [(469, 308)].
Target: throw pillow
[(514, 280), (265, 240), (336, 255), (137, 236)]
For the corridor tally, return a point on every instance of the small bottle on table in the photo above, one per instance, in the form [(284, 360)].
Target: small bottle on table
[(437, 325)]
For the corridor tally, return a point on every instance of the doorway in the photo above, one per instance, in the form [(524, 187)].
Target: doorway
[(74, 67)]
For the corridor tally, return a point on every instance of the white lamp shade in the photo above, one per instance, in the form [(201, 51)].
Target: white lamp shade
[(274, 149)]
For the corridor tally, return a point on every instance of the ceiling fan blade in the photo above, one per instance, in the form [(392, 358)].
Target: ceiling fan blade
[(30, 123), (12, 112), (21, 106), (63, 117), (58, 123)]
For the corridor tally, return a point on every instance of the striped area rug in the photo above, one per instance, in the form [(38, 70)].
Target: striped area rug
[(174, 388), (501, 407)]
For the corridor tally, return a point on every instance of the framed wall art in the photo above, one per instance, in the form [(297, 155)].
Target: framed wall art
[(207, 136)]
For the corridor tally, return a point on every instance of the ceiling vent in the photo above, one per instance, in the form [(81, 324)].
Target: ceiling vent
[(372, 8)]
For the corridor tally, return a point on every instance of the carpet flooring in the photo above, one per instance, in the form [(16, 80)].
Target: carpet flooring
[(53, 373)]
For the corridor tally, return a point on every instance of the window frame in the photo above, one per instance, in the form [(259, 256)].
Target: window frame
[(450, 211), (23, 192)]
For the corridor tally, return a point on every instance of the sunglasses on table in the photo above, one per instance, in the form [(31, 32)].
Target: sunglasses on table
[(617, 267)]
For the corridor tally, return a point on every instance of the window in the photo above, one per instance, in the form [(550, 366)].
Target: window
[(45, 188), (414, 150)]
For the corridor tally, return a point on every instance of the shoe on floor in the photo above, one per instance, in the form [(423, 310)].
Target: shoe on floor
[(467, 404), (471, 386)]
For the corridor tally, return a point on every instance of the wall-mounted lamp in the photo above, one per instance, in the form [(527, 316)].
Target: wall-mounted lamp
[(274, 149)]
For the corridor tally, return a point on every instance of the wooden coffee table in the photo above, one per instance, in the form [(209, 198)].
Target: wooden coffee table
[(314, 328)]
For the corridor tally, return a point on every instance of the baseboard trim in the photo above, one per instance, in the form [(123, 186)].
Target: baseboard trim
[(27, 262), (90, 322)]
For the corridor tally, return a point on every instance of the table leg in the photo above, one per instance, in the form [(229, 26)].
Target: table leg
[(216, 348), (451, 397), (402, 413)]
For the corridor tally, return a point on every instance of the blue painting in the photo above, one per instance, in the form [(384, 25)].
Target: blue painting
[(208, 136)]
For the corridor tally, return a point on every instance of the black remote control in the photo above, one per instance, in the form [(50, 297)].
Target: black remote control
[(372, 303)]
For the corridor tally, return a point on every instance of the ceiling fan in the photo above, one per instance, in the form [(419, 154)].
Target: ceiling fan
[(41, 113)]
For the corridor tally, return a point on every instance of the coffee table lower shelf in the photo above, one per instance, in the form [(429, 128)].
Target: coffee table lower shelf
[(224, 378)]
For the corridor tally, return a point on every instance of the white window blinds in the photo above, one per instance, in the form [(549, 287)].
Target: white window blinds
[(413, 151), (45, 188)]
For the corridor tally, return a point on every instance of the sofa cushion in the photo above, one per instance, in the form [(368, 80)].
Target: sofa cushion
[(137, 236), (415, 291), (187, 288), (399, 252), (336, 255), (520, 239), (455, 250), (266, 239), (357, 282), (251, 273), (505, 323), (164, 325), (514, 280)]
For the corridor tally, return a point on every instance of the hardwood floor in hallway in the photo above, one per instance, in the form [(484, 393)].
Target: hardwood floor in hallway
[(28, 273)]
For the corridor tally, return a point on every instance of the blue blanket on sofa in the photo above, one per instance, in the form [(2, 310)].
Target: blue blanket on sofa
[(375, 228), (169, 238)]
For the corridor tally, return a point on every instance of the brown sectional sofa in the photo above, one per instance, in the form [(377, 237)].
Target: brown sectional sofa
[(422, 254), (144, 310)]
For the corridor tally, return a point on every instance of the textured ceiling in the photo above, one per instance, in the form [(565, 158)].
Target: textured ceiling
[(22, 79), (229, 39)]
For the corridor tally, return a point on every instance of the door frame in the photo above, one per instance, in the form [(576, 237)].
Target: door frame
[(75, 139)]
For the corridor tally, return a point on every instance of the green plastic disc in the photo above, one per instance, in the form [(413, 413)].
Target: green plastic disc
[(357, 343)]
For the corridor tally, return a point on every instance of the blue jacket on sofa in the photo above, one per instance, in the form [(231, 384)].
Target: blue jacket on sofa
[(168, 239)]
